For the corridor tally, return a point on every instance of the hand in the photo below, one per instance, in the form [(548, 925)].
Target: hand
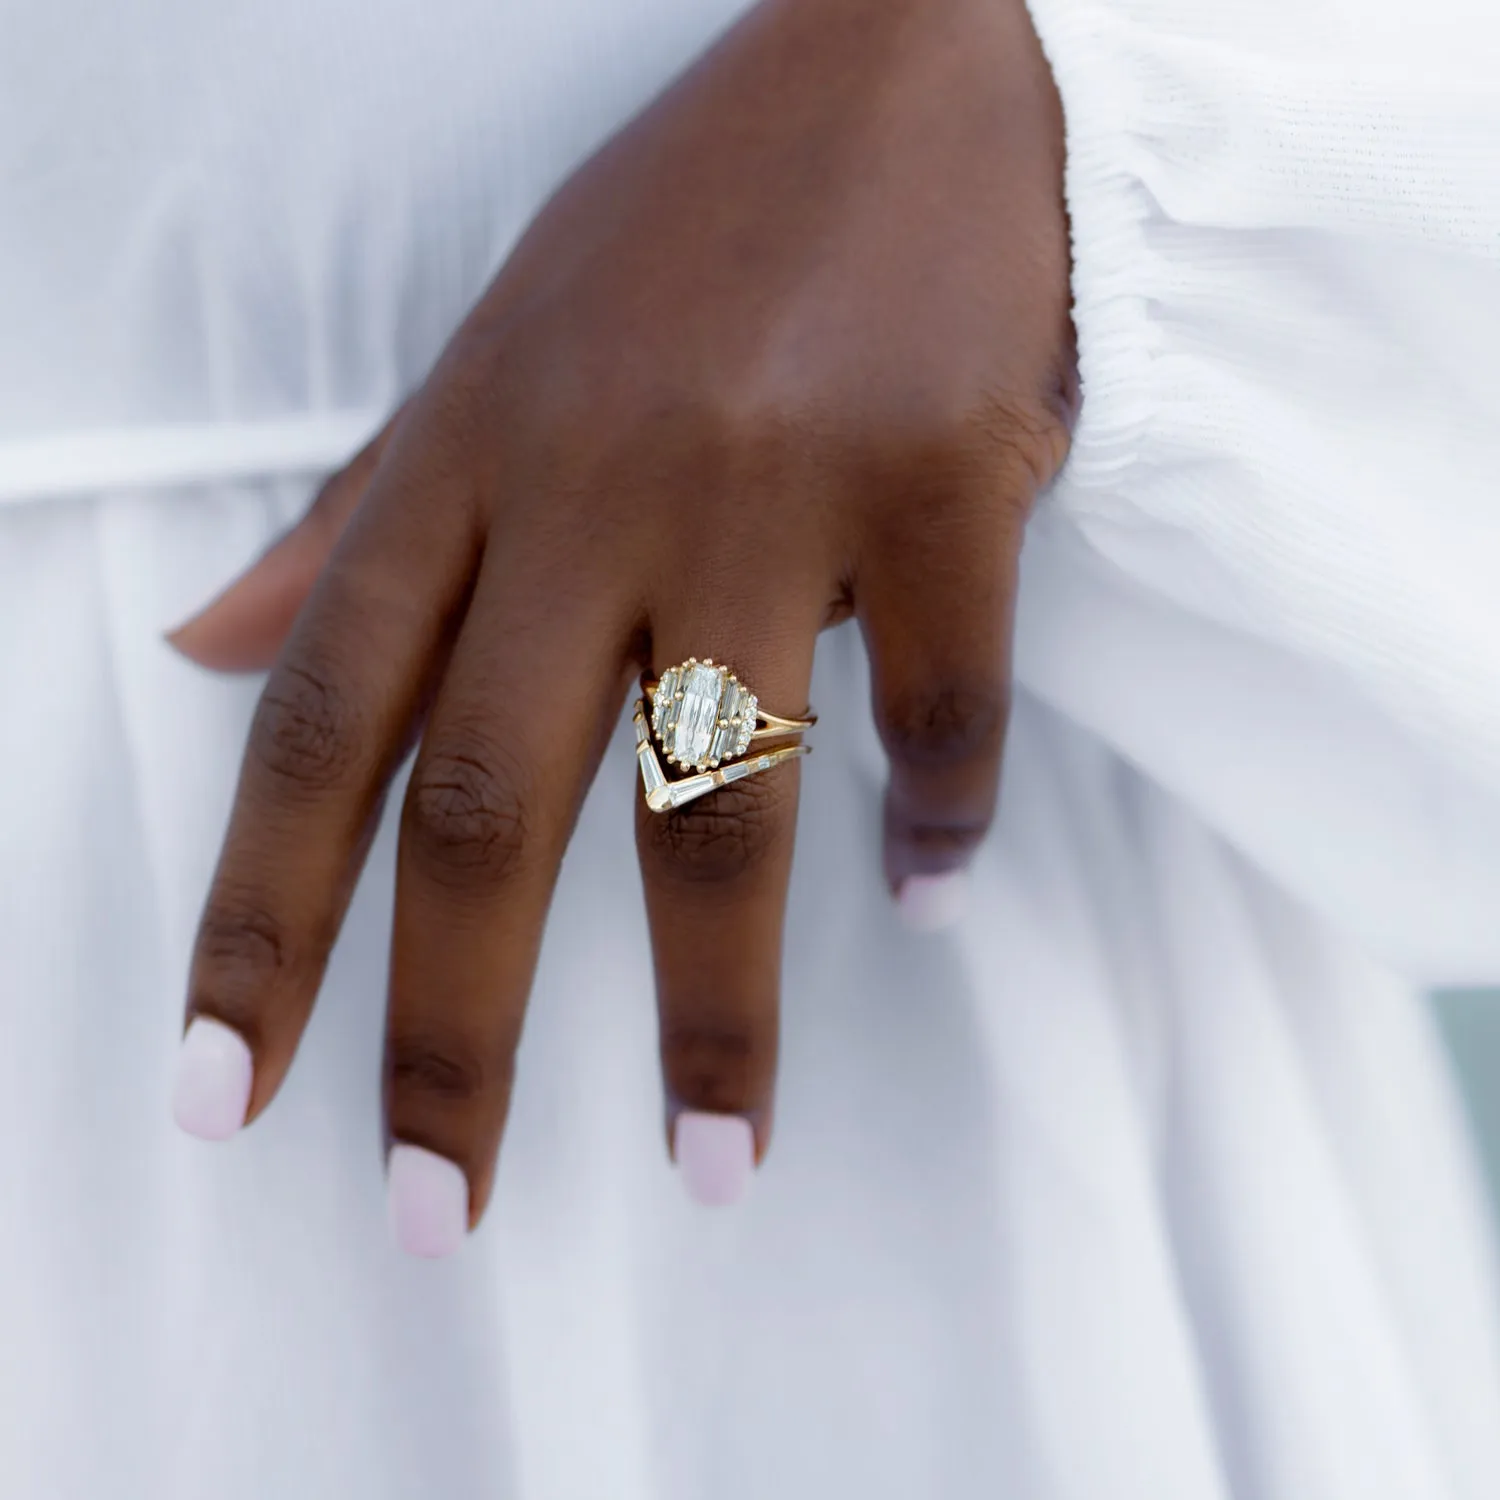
[(794, 344)]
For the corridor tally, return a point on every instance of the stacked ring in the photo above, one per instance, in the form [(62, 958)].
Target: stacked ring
[(704, 721)]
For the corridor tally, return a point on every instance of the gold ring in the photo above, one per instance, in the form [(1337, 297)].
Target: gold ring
[(704, 720)]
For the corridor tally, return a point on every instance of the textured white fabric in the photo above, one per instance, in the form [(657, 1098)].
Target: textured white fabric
[(1287, 226), (1148, 1182)]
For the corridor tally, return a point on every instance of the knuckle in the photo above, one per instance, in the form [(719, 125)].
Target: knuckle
[(241, 952), (1022, 440), (721, 838), (303, 732), (467, 816), (443, 1066), (242, 936), (940, 846), (945, 725), (710, 1066)]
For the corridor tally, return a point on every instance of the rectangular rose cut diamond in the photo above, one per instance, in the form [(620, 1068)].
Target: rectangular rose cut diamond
[(697, 715)]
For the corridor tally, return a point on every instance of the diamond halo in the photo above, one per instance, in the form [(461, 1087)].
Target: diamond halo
[(702, 714)]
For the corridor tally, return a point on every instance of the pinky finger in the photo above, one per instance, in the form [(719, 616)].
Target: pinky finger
[(940, 669)]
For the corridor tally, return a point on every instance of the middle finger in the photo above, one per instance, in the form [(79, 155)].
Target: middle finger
[(514, 736)]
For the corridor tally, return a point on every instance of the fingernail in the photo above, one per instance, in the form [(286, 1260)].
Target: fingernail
[(214, 1074), (716, 1156), (428, 1196), (930, 903)]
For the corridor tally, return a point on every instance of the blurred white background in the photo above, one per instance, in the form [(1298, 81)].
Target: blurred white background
[(1471, 1022)]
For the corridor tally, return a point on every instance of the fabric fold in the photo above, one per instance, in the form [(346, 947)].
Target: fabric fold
[(1286, 232)]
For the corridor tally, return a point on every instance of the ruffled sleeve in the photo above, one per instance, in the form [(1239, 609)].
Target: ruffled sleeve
[(1270, 573)]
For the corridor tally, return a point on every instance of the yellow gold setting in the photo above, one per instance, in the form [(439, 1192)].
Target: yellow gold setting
[(703, 720)]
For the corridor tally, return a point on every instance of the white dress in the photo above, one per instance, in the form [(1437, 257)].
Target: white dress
[(1148, 1181)]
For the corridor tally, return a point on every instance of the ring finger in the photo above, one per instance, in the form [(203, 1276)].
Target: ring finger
[(716, 873)]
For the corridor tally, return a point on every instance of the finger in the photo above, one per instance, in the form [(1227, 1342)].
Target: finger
[(716, 874), (328, 732), (246, 625), (517, 729), (936, 608)]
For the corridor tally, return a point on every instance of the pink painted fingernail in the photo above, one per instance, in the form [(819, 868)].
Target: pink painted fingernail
[(930, 903), (716, 1156), (214, 1074), (428, 1197)]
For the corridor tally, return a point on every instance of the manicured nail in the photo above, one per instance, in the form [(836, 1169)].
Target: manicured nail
[(716, 1156), (428, 1197), (214, 1074), (930, 903)]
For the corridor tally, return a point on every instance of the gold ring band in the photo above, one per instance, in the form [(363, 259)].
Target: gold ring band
[(703, 720)]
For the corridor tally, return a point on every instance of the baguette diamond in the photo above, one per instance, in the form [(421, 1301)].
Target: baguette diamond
[(698, 716), (664, 708), (728, 728)]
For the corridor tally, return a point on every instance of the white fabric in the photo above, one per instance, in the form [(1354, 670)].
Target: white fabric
[(1148, 1182), (1288, 282)]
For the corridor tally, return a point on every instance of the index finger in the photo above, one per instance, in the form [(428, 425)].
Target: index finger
[(328, 733)]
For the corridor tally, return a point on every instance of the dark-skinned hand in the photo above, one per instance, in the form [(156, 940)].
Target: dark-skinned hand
[(794, 344)]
